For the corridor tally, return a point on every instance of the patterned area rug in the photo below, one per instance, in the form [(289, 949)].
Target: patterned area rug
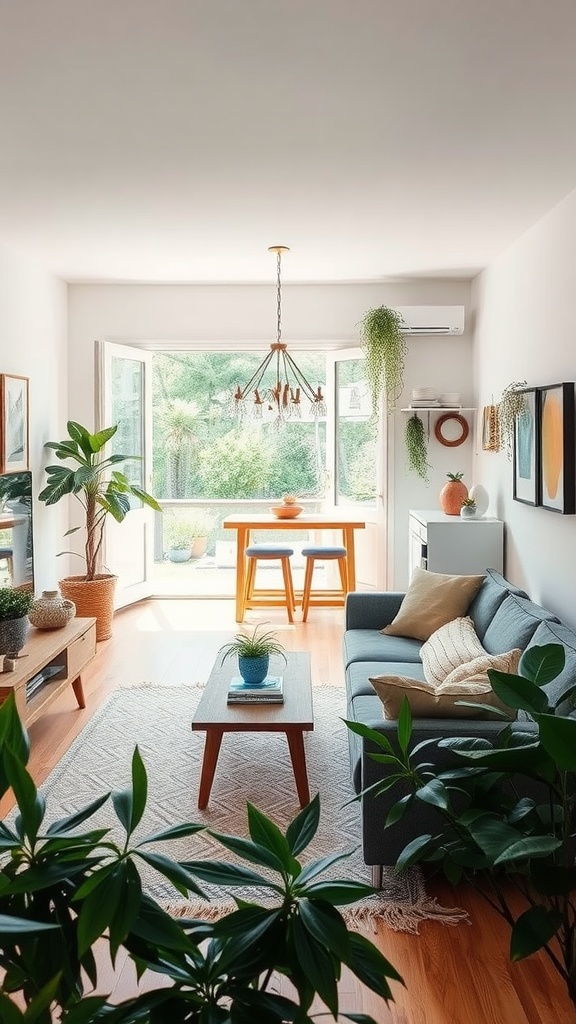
[(253, 767)]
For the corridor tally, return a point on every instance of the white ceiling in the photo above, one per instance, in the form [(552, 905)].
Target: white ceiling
[(175, 140)]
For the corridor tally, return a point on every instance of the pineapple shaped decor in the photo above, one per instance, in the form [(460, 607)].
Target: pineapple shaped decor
[(452, 494)]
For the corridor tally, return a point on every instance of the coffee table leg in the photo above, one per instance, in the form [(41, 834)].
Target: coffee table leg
[(295, 739), (211, 751)]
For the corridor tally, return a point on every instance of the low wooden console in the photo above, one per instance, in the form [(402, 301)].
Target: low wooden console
[(50, 661)]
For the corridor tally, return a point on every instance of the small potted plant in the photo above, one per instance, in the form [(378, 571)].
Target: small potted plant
[(186, 534), (253, 651), (468, 509), (14, 608)]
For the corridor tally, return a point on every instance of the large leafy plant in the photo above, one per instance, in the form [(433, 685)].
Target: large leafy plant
[(100, 489), (65, 887), (505, 808)]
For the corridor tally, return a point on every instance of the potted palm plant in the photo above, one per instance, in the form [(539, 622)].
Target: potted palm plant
[(67, 890), (102, 490)]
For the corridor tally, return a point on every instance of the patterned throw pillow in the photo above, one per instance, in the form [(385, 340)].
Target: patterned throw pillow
[(449, 647), (432, 599), (476, 671)]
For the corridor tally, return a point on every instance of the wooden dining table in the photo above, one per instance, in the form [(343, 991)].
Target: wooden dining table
[(244, 523)]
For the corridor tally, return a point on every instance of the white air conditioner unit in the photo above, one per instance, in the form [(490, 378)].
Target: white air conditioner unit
[(432, 319)]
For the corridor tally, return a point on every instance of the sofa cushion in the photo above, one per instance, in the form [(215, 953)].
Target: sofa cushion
[(476, 671), (432, 599), (429, 701), (358, 674), (489, 598), (370, 645), (558, 633), (514, 624), (450, 646)]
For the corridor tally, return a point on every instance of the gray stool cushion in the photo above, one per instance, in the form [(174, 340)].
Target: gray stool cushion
[(326, 551), (268, 551)]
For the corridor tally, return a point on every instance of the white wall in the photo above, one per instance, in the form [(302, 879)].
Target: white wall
[(33, 343), (525, 331), (310, 313)]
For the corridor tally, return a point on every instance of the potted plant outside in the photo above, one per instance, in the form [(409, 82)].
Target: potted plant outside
[(253, 652), (14, 607), (186, 534), (505, 807), (66, 890), (102, 490), (384, 348)]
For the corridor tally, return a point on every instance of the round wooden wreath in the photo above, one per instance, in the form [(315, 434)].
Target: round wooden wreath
[(444, 419)]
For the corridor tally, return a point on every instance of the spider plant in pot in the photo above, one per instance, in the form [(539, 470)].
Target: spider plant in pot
[(14, 607), (253, 652), (102, 490), (70, 890), (384, 348)]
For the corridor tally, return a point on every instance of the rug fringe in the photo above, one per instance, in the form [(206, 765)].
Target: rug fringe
[(399, 917)]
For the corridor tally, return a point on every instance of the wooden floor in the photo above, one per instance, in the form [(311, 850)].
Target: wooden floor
[(452, 975)]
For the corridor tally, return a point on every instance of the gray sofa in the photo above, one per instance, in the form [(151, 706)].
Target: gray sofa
[(504, 618)]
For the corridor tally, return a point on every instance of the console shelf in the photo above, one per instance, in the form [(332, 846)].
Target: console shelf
[(50, 661)]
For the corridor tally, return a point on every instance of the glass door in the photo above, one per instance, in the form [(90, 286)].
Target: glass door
[(356, 457), (125, 398)]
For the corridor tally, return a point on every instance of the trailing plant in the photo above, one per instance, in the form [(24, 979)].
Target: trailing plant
[(100, 489), (505, 807), (64, 889), (416, 447), (511, 404), (14, 603), (384, 348), (253, 645)]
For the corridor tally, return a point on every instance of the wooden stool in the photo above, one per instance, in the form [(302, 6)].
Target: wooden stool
[(324, 598), (6, 555), (269, 598)]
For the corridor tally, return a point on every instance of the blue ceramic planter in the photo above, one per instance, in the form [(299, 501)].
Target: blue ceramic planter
[(253, 670)]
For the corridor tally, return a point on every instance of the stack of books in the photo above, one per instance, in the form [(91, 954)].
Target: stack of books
[(271, 691)]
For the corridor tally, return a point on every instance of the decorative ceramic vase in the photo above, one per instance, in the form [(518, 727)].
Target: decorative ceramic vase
[(51, 611), (451, 497), (253, 670), (13, 633), (179, 554), (481, 497)]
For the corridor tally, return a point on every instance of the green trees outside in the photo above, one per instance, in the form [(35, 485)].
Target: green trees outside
[(200, 452)]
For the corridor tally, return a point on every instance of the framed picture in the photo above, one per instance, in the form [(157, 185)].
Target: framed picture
[(556, 476), (14, 439), (525, 449)]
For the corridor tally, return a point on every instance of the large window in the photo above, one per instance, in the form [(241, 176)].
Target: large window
[(201, 452)]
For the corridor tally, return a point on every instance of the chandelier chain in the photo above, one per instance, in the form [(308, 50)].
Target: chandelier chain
[(278, 299)]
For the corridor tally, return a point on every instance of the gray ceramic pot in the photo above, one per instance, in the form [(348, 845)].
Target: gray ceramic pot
[(13, 633)]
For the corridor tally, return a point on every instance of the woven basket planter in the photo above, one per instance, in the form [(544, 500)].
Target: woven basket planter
[(93, 598)]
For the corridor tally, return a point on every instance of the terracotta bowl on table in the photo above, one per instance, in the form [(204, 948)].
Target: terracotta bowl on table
[(286, 511)]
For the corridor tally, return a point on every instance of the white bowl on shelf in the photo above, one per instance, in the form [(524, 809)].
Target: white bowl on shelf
[(450, 398), (423, 393)]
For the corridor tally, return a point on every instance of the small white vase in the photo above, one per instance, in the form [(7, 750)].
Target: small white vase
[(481, 497), (468, 513)]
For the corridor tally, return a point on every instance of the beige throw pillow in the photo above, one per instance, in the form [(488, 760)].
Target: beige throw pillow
[(476, 671), (427, 701), (452, 645), (432, 599)]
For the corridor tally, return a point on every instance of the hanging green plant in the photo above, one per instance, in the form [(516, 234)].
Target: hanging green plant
[(384, 348), (512, 403), (416, 447)]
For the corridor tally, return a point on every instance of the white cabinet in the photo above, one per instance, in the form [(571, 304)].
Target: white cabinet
[(450, 544)]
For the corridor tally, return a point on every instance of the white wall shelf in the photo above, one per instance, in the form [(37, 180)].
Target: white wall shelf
[(438, 408)]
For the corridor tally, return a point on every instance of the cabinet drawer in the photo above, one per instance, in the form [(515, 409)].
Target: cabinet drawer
[(81, 651)]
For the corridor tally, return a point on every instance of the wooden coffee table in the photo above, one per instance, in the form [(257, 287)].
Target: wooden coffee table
[(294, 717)]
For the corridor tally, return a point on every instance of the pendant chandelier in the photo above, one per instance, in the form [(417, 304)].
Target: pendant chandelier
[(287, 385)]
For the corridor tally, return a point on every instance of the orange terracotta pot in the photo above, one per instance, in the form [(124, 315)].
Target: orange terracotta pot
[(452, 496)]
